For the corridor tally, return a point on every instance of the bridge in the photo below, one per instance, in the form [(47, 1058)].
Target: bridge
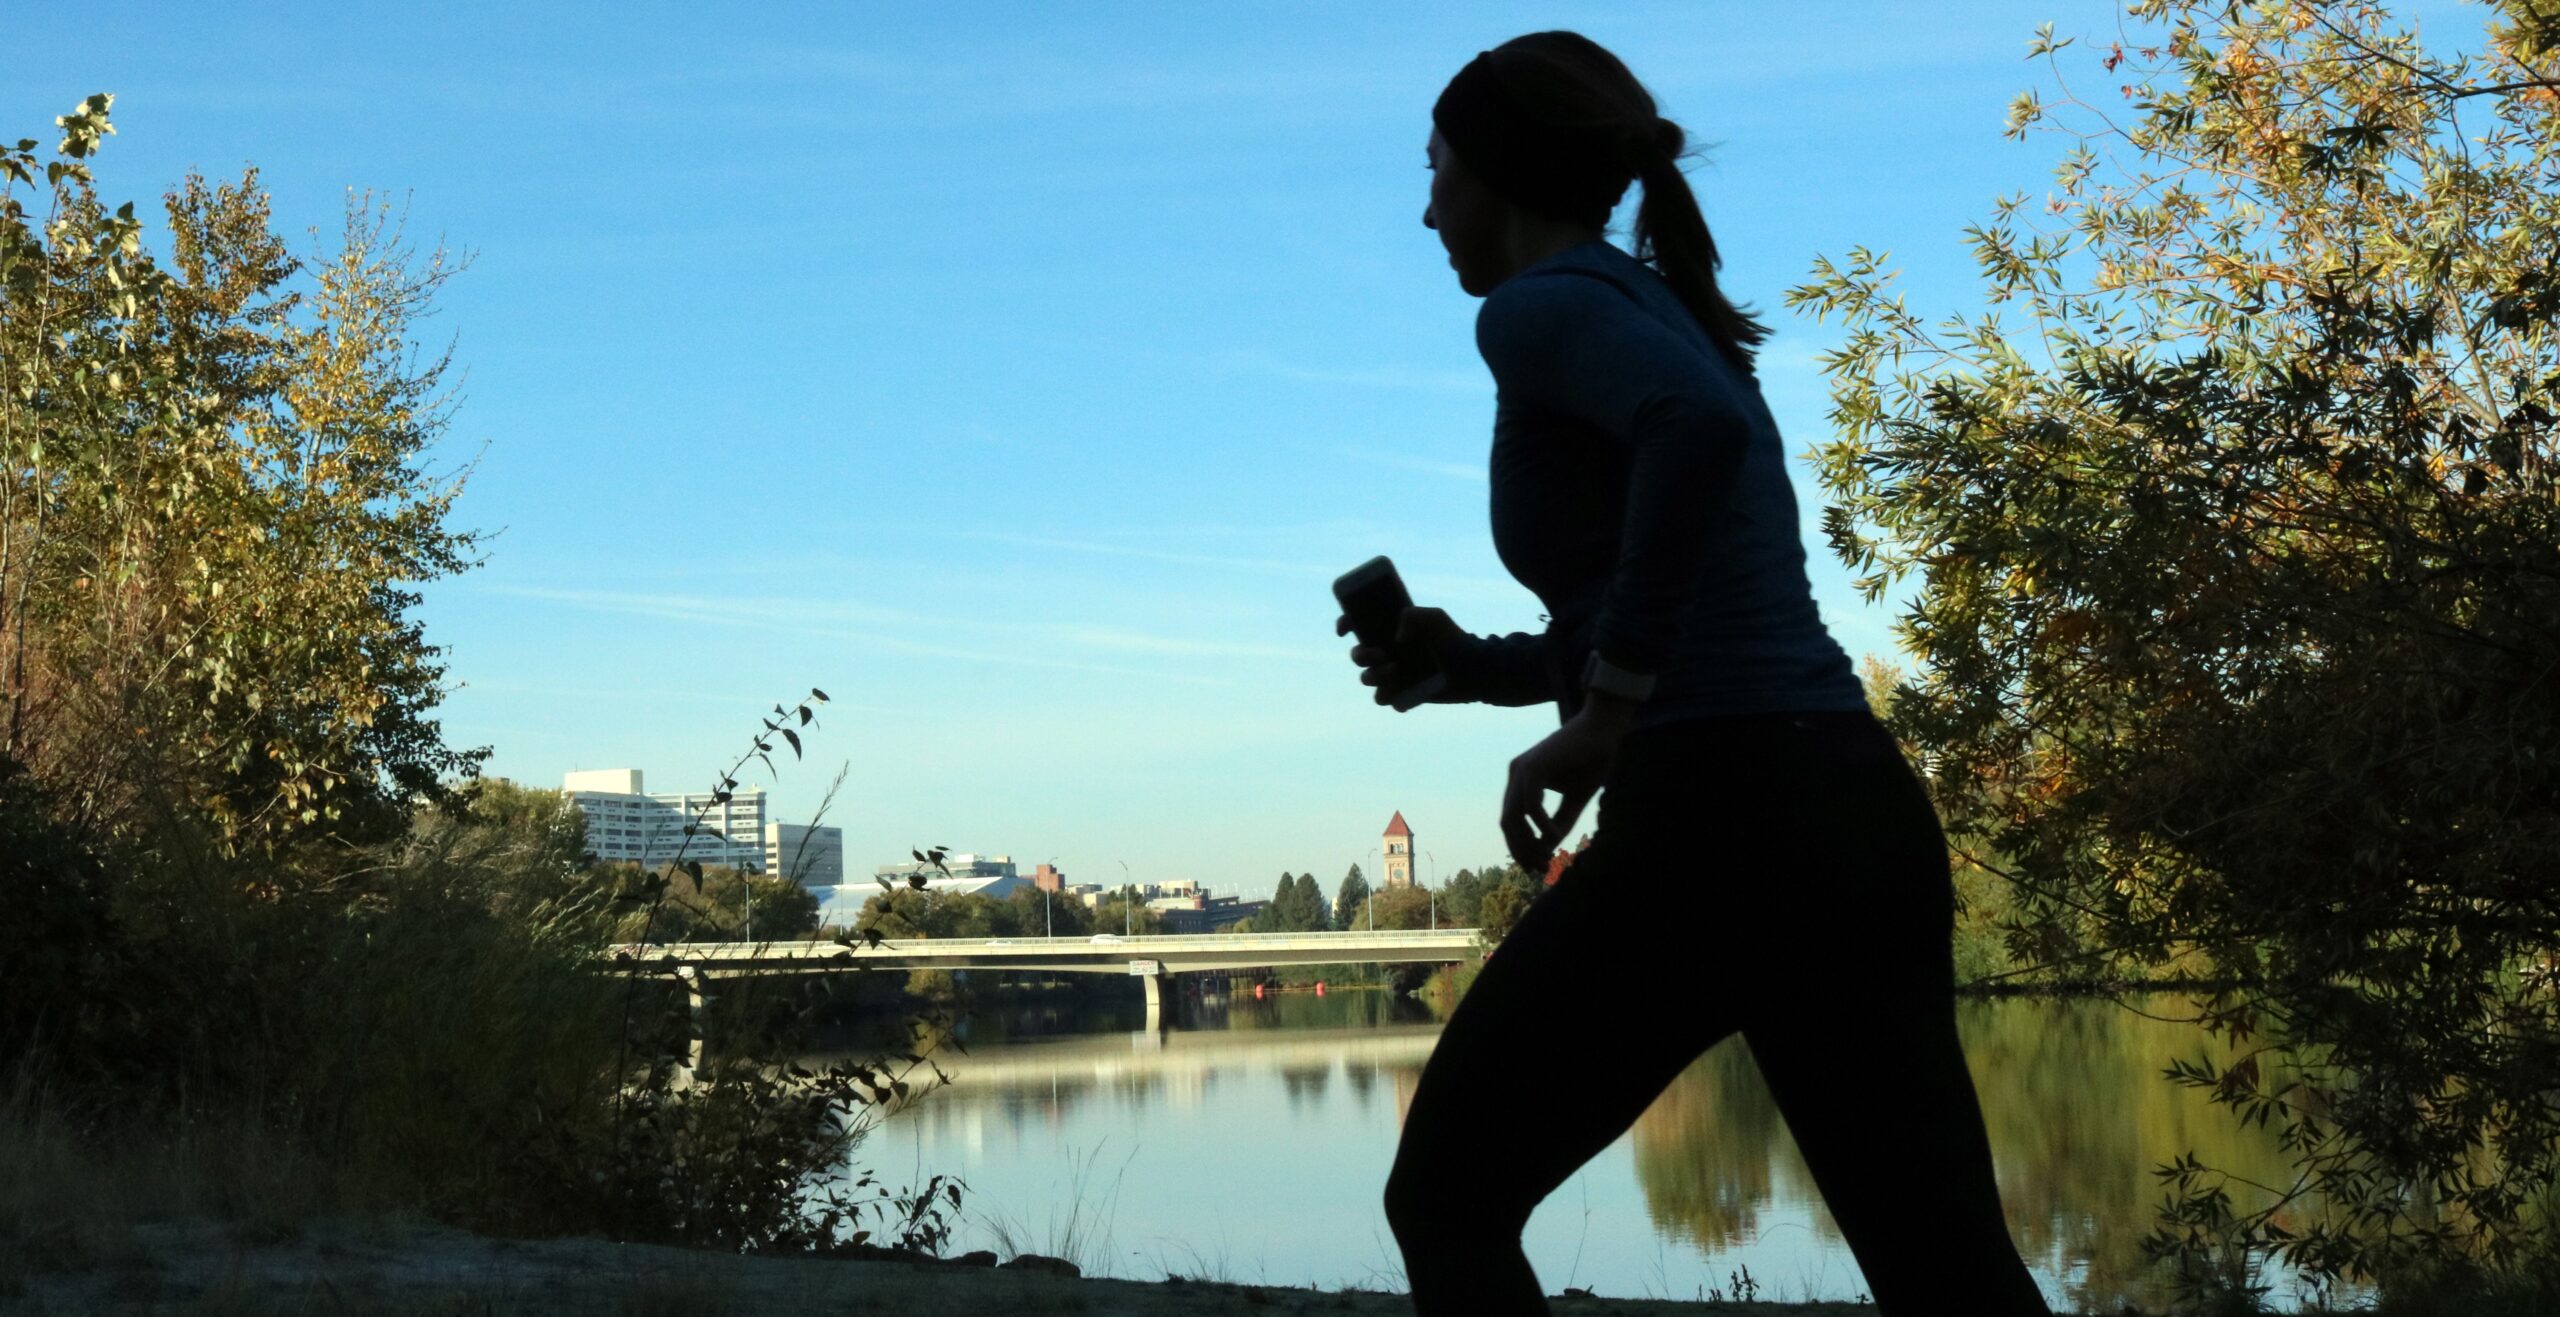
[(1150, 958)]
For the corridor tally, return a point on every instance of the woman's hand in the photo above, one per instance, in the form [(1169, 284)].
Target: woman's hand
[(1572, 762), (1428, 627)]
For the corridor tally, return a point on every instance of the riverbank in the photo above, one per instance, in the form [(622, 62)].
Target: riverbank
[(397, 1269)]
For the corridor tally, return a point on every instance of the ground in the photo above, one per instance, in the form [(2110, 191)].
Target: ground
[(409, 1270)]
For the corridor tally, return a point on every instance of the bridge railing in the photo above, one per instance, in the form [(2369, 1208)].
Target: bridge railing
[(1100, 946)]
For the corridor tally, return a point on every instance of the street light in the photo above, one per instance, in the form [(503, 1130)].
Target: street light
[(1050, 864), (1128, 917)]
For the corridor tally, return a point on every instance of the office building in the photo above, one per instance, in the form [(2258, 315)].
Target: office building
[(628, 824), (810, 856)]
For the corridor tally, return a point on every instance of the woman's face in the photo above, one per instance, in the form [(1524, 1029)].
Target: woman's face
[(1467, 216)]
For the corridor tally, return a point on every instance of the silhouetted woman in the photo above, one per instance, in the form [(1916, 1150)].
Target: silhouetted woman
[(1765, 860)]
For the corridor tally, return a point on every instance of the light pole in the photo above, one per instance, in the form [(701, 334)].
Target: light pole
[(1048, 916), (1429, 886), (1128, 918), (1435, 908)]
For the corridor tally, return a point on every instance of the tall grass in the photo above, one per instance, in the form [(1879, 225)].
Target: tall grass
[(1080, 1231), (428, 1026)]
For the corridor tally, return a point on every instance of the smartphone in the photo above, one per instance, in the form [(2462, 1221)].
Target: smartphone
[(1374, 598)]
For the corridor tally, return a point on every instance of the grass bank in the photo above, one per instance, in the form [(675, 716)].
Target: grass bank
[(391, 1268)]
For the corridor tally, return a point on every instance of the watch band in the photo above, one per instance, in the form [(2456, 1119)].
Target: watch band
[(1599, 674)]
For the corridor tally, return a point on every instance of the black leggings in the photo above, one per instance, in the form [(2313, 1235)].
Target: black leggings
[(1782, 875)]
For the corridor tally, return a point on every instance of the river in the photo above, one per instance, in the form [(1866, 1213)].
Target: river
[(1248, 1140)]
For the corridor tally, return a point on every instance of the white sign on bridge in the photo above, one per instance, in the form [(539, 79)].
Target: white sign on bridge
[(1143, 968)]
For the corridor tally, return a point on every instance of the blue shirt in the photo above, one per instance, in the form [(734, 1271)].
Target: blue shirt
[(1640, 491)]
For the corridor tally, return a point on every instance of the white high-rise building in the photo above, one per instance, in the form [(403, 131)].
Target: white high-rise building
[(627, 824), (809, 856)]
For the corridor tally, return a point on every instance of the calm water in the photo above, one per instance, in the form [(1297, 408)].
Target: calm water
[(1249, 1141)]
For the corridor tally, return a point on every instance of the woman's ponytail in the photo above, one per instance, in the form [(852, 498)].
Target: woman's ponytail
[(1671, 234)]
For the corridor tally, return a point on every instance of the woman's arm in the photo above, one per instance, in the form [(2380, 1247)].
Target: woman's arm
[(1506, 670)]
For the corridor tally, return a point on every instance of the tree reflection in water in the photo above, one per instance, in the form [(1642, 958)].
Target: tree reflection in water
[(2078, 1117)]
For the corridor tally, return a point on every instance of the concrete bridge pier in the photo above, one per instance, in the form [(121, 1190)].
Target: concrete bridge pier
[(697, 1040), (1155, 1000)]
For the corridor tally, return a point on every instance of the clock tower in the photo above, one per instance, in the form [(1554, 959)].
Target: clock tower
[(1397, 849)]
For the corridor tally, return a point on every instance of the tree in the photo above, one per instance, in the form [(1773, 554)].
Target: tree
[(2237, 605), (1564, 857), (1460, 898), (214, 512), (1319, 913), (1285, 913), (1348, 901), (1500, 909), (716, 908), (1124, 910), (1296, 906), (524, 850), (1399, 908)]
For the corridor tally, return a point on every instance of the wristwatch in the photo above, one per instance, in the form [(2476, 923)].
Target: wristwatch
[(1599, 674)]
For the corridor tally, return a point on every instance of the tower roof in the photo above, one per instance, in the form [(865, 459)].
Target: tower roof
[(1396, 827)]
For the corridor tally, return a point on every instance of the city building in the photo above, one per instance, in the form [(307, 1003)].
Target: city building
[(1398, 852), (810, 856), (626, 823), (1211, 915), (1048, 879), (965, 865), (995, 887)]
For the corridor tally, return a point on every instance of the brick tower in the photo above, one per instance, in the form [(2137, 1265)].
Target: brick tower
[(1397, 848)]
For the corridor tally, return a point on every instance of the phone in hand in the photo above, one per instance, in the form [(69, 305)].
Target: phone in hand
[(1374, 598)]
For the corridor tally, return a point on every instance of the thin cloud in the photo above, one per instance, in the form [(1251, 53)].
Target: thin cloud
[(1156, 555), (1374, 377), (698, 608), (546, 690), (1105, 638), (775, 617), (1467, 471), (794, 617)]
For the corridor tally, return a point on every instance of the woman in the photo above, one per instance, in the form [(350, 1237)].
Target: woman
[(1765, 861)]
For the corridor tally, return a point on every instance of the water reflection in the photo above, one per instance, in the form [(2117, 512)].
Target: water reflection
[(2078, 1117), (1275, 1121)]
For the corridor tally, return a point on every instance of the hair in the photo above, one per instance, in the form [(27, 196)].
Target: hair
[(1575, 85)]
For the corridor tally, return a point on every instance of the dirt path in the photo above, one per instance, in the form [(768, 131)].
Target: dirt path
[(414, 1271)]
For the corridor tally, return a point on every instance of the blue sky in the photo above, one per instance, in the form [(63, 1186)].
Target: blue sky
[(1019, 374)]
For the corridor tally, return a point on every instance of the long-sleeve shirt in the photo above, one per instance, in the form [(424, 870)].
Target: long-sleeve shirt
[(1640, 491)]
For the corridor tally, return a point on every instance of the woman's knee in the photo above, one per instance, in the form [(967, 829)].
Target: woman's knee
[(1426, 1199)]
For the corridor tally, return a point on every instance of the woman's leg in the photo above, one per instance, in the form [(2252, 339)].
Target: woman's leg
[(1867, 1068), (1882, 1106), (1556, 1049)]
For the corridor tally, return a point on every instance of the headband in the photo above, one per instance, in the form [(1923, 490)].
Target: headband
[(1562, 171)]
